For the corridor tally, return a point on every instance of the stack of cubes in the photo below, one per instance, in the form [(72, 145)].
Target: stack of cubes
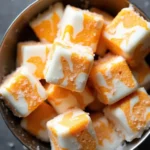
[(111, 88)]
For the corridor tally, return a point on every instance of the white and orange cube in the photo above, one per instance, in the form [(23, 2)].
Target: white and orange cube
[(142, 74), (35, 123), (131, 115), (108, 138), (80, 27), (33, 55), (128, 35), (62, 99), (69, 66), (71, 131), (102, 48), (46, 24), (112, 79), (22, 92)]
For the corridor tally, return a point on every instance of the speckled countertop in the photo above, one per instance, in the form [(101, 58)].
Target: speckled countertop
[(9, 9)]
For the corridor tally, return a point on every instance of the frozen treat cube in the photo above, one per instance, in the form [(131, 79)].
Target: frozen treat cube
[(128, 35), (22, 92), (142, 74), (46, 24), (62, 99), (69, 66), (72, 130), (112, 79), (102, 48), (131, 115), (33, 55), (108, 138), (35, 123), (80, 27)]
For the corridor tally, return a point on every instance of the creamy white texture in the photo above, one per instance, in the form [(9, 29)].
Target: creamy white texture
[(64, 136), (34, 82), (73, 18), (119, 91), (101, 80), (54, 70), (81, 81), (68, 142), (133, 102), (60, 129), (56, 8), (54, 67), (20, 105), (129, 44), (116, 142), (35, 51), (29, 52), (118, 117)]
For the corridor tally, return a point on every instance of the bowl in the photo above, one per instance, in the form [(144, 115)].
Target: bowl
[(18, 31)]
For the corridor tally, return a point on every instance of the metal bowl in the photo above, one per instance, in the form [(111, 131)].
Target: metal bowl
[(18, 31)]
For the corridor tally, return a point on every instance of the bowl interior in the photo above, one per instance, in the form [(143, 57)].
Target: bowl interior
[(18, 31)]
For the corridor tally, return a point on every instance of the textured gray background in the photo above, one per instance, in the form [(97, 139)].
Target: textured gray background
[(9, 9)]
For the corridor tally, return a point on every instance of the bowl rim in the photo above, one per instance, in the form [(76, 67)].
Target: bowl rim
[(1, 44)]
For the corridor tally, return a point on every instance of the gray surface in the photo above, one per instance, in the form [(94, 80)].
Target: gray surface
[(9, 9)]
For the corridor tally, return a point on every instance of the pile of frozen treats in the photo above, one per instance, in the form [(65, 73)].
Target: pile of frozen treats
[(72, 99)]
